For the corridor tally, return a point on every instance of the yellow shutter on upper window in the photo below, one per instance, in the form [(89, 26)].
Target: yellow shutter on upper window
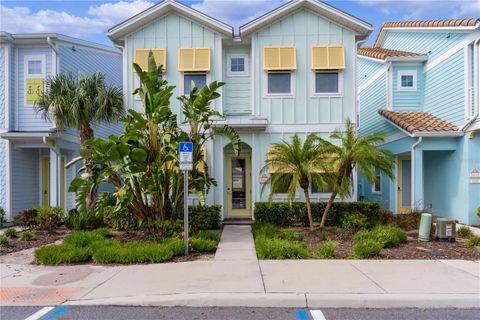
[(279, 58), (34, 89), (194, 59), (328, 57), (141, 57)]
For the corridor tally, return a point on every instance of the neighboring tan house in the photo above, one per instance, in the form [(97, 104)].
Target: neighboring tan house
[(419, 84), (32, 151), (292, 70)]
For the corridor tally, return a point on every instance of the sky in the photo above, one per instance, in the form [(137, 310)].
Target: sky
[(89, 20)]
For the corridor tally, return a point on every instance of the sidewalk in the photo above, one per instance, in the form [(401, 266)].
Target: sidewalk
[(236, 278)]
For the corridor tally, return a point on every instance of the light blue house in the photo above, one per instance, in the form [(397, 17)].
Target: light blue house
[(419, 84), (32, 150), (289, 71)]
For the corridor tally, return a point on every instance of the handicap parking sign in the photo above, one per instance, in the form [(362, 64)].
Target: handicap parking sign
[(186, 155)]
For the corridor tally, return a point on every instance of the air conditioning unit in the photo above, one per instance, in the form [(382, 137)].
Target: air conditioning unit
[(445, 230)]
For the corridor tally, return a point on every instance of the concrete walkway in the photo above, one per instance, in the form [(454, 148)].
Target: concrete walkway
[(236, 278)]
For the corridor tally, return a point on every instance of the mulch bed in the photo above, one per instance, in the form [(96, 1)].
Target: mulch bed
[(412, 249), (42, 237)]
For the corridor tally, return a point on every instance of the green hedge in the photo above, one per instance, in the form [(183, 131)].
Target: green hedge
[(283, 214), (204, 217)]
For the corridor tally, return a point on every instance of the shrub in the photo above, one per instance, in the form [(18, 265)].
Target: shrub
[(84, 220), (10, 232), (354, 221), (202, 245), (26, 236), (208, 235), (387, 236), (4, 241), (280, 249), (366, 248), (61, 254), (262, 229), (83, 239), (478, 212), (204, 217), (48, 217), (405, 221), (26, 219), (119, 219), (161, 229), (464, 232), (474, 241), (290, 235), (326, 250), (132, 252), (284, 214), (3, 219)]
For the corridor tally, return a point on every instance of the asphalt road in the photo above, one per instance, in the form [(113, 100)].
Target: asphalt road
[(157, 313)]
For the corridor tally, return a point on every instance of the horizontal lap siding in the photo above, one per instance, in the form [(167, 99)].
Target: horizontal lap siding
[(444, 90), (236, 98), (366, 69), (26, 173), (408, 100), (304, 29), (3, 124)]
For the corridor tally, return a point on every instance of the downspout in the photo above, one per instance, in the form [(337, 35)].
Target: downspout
[(54, 72), (414, 146), (476, 90), (389, 86)]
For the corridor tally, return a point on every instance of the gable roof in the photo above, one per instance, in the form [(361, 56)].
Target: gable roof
[(363, 28), (386, 54), (117, 32), (419, 123), (455, 24)]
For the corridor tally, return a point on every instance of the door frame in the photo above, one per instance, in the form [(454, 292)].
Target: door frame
[(399, 185), (248, 185), (63, 181)]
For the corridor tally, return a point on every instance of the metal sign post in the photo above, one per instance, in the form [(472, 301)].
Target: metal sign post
[(186, 159)]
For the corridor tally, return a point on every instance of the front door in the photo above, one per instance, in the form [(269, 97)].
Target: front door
[(404, 184), (46, 182), (238, 183)]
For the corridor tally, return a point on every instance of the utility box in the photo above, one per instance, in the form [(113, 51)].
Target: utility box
[(446, 230)]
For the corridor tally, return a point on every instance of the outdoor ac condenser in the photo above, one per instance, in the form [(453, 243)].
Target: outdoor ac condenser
[(445, 229)]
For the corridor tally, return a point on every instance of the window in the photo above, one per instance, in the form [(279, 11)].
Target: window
[(281, 188), (377, 185), (323, 189), (237, 65), (327, 83), (200, 80), (34, 73), (35, 67), (407, 80), (279, 83)]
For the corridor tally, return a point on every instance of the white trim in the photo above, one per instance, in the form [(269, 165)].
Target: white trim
[(253, 76), (16, 104), (220, 102), (26, 60), (246, 65), (289, 95), (450, 52), (315, 94), (370, 58), (400, 74), (304, 127), (372, 79), (6, 82), (40, 189), (468, 83)]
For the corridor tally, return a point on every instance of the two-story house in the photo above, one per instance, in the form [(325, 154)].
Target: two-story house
[(419, 84), (32, 151), (292, 70)]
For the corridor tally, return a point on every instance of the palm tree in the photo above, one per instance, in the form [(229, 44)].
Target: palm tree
[(352, 152), (70, 102), (296, 165)]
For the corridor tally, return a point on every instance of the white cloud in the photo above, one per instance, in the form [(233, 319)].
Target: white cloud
[(119, 11)]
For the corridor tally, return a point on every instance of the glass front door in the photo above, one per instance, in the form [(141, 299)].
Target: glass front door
[(238, 185)]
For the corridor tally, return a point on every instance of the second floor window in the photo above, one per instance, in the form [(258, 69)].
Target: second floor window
[(279, 83), (200, 80), (35, 67), (327, 82), (237, 65), (407, 80)]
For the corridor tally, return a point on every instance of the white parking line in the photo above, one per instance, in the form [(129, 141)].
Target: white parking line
[(40, 313), (317, 315)]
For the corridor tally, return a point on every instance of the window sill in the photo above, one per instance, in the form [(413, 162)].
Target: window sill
[(327, 95), (279, 95), (407, 89), (377, 193)]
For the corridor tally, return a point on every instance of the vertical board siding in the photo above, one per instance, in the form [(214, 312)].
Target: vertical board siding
[(304, 29), (431, 43), (25, 185), (173, 31), (29, 119), (3, 124), (236, 95), (365, 69), (444, 90), (408, 100)]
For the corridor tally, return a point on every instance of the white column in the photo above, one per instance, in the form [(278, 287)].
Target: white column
[(54, 182)]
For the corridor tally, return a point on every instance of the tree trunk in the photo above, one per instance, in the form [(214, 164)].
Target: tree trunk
[(327, 209), (309, 208), (86, 133)]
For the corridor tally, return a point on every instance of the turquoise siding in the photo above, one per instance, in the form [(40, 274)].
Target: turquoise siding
[(431, 43), (304, 29), (173, 31), (236, 96), (366, 68), (408, 100), (444, 90)]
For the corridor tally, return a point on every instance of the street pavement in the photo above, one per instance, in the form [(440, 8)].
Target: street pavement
[(234, 313), (235, 278)]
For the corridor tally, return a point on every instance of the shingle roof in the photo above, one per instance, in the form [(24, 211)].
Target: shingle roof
[(381, 53), (416, 121), (433, 23)]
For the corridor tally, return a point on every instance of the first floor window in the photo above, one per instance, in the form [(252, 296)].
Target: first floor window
[(321, 189), (199, 79), (282, 182), (327, 82), (279, 83), (377, 185)]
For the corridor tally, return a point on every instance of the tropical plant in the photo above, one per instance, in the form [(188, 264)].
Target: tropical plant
[(296, 165), (348, 152), (72, 102), (3, 220)]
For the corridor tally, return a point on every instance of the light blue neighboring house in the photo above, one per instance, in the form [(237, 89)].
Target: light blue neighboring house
[(419, 84), (289, 71), (32, 150)]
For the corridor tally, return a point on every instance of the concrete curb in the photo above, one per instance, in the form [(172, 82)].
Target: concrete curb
[(293, 300)]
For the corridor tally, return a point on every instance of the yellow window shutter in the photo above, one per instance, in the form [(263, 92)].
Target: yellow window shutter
[(141, 57), (194, 59), (34, 89), (201, 165), (328, 57), (279, 58)]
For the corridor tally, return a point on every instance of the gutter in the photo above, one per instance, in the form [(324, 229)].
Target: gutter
[(476, 91), (357, 107), (414, 146)]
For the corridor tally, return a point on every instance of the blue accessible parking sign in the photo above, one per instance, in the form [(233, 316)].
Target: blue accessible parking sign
[(185, 155)]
